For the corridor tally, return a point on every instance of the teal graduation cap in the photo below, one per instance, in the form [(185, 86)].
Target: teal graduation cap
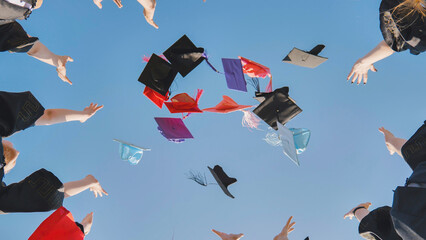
[(130, 152), (301, 138)]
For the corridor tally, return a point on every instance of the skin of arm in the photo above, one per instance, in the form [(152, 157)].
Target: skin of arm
[(89, 182), (360, 69), (393, 143), (55, 116), (360, 213), (40, 52)]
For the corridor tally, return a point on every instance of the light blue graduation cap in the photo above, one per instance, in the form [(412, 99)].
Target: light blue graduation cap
[(130, 152), (301, 138)]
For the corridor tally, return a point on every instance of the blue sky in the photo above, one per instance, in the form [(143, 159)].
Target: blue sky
[(346, 162)]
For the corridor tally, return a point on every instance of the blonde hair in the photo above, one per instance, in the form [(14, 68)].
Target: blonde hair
[(411, 7), (9, 153)]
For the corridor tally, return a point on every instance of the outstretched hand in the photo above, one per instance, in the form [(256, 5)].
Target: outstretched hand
[(388, 140), (96, 187), (225, 236), (350, 214), (61, 70), (148, 12), (360, 71), (288, 228), (99, 3), (90, 111), (87, 223)]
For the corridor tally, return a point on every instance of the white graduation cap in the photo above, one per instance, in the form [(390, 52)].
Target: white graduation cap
[(130, 152), (287, 140)]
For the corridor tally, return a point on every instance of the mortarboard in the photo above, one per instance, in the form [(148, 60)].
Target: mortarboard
[(184, 55), (183, 103), (222, 179), (155, 97), (130, 152), (158, 75), (307, 238), (227, 105), (173, 129), (287, 141), (60, 225), (254, 69), (306, 59), (301, 138), (277, 107), (234, 74)]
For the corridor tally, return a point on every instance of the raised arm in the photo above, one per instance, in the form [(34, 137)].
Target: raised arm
[(359, 211), (226, 236), (288, 228), (360, 69), (40, 52), (54, 116), (149, 10), (393, 143), (89, 182)]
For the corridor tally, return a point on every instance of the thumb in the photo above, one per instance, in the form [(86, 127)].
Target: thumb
[(372, 68)]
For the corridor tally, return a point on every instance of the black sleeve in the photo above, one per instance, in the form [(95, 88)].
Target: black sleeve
[(80, 226), (13, 38)]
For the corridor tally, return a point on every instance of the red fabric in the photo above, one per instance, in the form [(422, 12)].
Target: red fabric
[(155, 97), (254, 69), (227, 105), (183, 103), (59, 225)]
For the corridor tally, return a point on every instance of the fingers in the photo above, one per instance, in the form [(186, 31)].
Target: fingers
[(99, 4), (290, 230), (365, 78), (118, 3), (351, 74), (104, 192), (69, 59), (152, 23), (63, 77), (372, 68), (217, 232)]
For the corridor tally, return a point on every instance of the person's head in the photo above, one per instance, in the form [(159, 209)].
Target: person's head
[(10, 155), (409, 8), (38, 4)]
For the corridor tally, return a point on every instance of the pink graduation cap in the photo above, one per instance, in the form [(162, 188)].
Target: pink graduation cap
[(228, 105), (234, 74), (183, 103), (254, 69), (173, 129)]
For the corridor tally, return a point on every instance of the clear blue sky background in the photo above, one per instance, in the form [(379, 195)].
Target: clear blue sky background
[(346, 162)]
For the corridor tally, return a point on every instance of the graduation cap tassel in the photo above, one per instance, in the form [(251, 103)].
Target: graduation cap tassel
[(250, 120), (146, 59), (208, 62), (198, 178), (272, 139), (254, 82)]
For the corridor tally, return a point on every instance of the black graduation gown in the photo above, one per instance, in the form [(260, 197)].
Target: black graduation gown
[(13, 37), (402, 32), (407, 217)]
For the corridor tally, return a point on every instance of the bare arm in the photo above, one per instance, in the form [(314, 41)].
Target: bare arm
[(360, 69), (89, 182), (40, 52), (55, 116), (360, 213), (393, 143)]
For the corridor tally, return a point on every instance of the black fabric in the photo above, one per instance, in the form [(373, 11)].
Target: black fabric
[(377, 225), (158, 75), (18, 111), (184, 55), (80, 226), (13, 38), (10, 12), (2, 161), (277, 106), (409, 207), (414, 150), (402, 32), (42, 191)]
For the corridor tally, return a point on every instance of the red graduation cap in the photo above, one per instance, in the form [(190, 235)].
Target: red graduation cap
[(183, 103), (227, 105), (59, 225), (155, 97), (254, 69)]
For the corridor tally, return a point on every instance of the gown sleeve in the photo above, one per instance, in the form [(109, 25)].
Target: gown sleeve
[(18, 111), (13, 38), (42, 191), (378, 225)]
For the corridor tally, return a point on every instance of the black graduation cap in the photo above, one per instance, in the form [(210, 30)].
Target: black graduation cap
[(276, 106), (306, 59), (307, 238), (222, 179), (158, 75), (184, 55)]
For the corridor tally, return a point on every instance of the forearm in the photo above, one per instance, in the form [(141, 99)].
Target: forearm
[(40, 52), (361, 213), (148, 4), (381, 51), (54, 116), (76, 187), (398, 143)]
